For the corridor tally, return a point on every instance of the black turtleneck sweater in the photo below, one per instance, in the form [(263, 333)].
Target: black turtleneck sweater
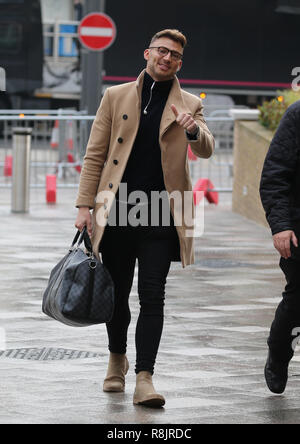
[(144, 169)]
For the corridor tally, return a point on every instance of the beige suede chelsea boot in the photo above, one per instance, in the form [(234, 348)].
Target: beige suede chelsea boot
[(145, 393), (117, 369)]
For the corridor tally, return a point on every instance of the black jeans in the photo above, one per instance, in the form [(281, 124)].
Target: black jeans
[(287, 316), (152, 247)]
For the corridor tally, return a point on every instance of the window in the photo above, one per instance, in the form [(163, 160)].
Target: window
[(10, 37)]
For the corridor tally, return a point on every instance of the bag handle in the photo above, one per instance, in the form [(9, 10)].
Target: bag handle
[(75, 240), (81, 236), (87, 242)]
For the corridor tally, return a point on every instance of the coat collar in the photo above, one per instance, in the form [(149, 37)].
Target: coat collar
[(175, 98)]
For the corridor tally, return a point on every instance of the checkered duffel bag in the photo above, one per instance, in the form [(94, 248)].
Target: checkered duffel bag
[(80, 290)]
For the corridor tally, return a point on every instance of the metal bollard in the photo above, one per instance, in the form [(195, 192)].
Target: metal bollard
[(21, 169)]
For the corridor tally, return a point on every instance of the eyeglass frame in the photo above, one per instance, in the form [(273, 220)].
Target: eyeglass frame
[(169, 51)]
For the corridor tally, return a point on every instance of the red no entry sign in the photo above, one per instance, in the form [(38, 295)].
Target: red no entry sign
[(97, 31)]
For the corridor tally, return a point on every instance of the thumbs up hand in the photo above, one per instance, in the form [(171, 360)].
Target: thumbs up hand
[(185, 120)]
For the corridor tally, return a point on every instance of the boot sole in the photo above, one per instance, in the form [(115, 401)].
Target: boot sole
[(115, 390), (151, 402)]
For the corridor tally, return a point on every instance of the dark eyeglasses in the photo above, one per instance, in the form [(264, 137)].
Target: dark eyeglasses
[(176, 56)]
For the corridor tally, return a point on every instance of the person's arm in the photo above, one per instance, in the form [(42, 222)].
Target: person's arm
[(93, 163), (276, 181), (95, 156), (201, 140)]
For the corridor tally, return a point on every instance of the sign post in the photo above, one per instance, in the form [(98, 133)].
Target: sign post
[(2, 80), (96, 33)]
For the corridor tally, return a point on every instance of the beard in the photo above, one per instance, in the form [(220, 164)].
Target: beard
[(156, 73)]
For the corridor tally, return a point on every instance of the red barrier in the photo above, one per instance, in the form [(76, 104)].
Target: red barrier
[(8, 165), (51, 188), (191, 155), (212, 196), (71, 160), (205, 185)]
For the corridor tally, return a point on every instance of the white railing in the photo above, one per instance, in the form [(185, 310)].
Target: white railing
[(59, 142)]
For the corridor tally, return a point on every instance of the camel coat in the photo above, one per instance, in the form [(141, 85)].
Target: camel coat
[(111, 140)]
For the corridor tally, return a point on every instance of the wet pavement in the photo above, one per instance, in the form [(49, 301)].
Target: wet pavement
[(213, 350)]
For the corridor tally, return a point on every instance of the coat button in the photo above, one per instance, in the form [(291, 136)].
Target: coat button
[(120, 140), (116, 162), (125, 117), (110, 185)]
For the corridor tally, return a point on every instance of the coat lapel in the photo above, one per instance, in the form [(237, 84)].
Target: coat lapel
[(139, 86), (175, 98)]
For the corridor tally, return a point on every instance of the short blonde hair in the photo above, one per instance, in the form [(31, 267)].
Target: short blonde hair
[(172, 34)]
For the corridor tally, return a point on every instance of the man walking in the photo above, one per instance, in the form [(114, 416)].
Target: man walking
[(139, 141), (280, 195)]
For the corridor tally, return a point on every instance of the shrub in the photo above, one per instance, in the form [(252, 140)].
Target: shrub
[(272, 111)]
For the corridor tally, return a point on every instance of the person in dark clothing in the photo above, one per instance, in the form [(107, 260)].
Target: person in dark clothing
[(280, 196), (78, 12), (78, 9), (142, 242), (138, 144)]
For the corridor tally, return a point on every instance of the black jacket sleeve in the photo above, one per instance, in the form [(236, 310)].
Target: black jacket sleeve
[(278, 173)]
